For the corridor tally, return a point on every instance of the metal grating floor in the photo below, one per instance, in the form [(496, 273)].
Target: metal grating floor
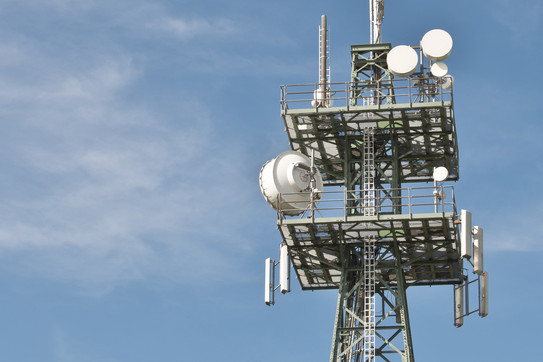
[(425, 132), (427, 243)]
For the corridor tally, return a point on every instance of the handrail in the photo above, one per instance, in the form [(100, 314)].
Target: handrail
[(348, 94), (345, 203)]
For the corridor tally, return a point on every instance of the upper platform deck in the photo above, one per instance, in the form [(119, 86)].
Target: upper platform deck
[(413, 120)]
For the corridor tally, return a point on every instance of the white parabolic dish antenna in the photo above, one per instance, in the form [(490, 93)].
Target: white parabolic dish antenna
[(439, 69), (285, 182), (436, 45), (448, 82), (440, 174), (402, 60)]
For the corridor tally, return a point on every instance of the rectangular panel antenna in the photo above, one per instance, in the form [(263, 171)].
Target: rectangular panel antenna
[(478, 250), (459, 305), (284, 270), (483, 312), (465, 234), (268, 290)]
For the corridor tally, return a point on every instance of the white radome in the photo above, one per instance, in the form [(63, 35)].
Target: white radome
[(448, 82), (439, 69), (285, 182), (440, 174), (402, 60), (436, 45)]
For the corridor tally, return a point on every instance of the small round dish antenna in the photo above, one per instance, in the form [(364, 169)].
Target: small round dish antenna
[(402, 60), (322, 98), (436, 45), (440, 194), (439, 69), (448, 82), (286, 182), (440, 174)]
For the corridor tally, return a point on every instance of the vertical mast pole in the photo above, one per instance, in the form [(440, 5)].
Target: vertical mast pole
[(376, 18), (323, 55)]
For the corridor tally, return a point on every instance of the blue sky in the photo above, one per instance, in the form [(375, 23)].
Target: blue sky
[(133, 132)]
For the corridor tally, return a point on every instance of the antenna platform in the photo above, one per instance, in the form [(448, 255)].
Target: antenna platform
[(376, 229)]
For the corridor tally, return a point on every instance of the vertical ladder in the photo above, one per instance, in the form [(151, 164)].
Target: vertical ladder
[(368, 287), (368, 192), (369, 300)]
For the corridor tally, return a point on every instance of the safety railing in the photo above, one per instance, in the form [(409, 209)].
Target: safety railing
[(346, 95), (391, 201)]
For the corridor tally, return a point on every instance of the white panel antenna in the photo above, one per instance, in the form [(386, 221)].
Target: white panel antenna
[(459, 305), (478, 250), (268, 281), (465, 234), (284, 270), (483, 312), (284, 276)]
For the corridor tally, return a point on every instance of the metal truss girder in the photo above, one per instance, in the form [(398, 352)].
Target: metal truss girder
[(424, 137), (351, 320), (367, 57), (427, 245)]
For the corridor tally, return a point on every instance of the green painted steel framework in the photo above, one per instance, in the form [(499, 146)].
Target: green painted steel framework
[(372, 257)]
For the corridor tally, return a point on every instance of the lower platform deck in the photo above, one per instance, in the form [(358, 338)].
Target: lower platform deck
[(427, 243)]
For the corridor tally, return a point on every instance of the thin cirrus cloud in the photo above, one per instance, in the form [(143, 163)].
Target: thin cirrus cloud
[(195, 27), (509, 14), (101, 190)]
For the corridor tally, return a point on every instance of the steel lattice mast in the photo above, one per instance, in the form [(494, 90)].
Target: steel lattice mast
[(389, 130), (358, 321)]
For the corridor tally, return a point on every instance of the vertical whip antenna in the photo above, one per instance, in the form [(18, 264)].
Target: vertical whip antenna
[(321, 96), (324, 70), (377, 13)]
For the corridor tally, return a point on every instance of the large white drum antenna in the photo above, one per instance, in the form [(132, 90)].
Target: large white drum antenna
[(290, 183)]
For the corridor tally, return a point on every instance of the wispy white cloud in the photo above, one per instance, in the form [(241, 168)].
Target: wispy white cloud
[(66, 349), (100, 189), (518, 231), (196, 27), (522, 19)]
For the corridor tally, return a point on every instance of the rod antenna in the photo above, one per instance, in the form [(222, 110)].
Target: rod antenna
[(323, 55), (377, 13)]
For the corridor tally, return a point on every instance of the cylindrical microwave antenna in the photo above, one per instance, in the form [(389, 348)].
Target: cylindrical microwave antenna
[(286, 185)]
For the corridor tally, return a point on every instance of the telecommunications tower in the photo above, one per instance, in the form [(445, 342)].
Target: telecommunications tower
[(362, 199)]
